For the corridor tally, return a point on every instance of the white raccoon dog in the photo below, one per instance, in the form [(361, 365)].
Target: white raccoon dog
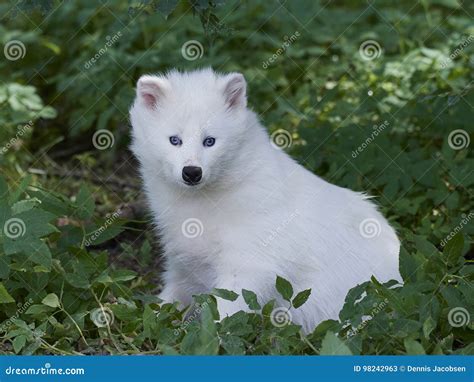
[(233, 211)]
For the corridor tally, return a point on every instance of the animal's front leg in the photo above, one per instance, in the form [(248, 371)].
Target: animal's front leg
[(172, 293), (175, 288)]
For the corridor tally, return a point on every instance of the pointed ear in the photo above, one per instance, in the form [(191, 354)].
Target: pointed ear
[(235, 90), (150, 89)]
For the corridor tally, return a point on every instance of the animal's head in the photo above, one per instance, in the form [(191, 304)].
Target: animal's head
[(187, 127)]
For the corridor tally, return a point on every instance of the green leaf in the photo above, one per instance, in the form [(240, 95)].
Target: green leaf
[(31, 348), (42, 255), (333, 345), (18, 343), (24, 205), (408, 262), (51, 300), (149, 320), (284, 288), (78, 281), (233, 345), (268, 309), (123, 275), (85, 203), (424, 246), (453, 249), (201, 337), (237, 324), (413, 347), (428, 326), (38, 309), (3, 188), (225, 294), (251, 299), (301, 298), (25, 182), (4, 266), (103, 233), (5, 297), (166, 7), (209, 342)]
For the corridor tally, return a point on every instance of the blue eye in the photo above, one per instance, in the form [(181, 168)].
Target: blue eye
[(176, 141), (209, 141)]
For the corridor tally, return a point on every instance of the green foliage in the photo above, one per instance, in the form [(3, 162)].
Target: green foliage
[(79, 303), (381, 125), (284, 288)]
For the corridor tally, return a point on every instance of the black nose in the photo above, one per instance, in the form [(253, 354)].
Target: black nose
[(192, 174)]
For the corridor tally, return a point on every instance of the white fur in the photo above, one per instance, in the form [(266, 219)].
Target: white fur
[(262, 214)]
